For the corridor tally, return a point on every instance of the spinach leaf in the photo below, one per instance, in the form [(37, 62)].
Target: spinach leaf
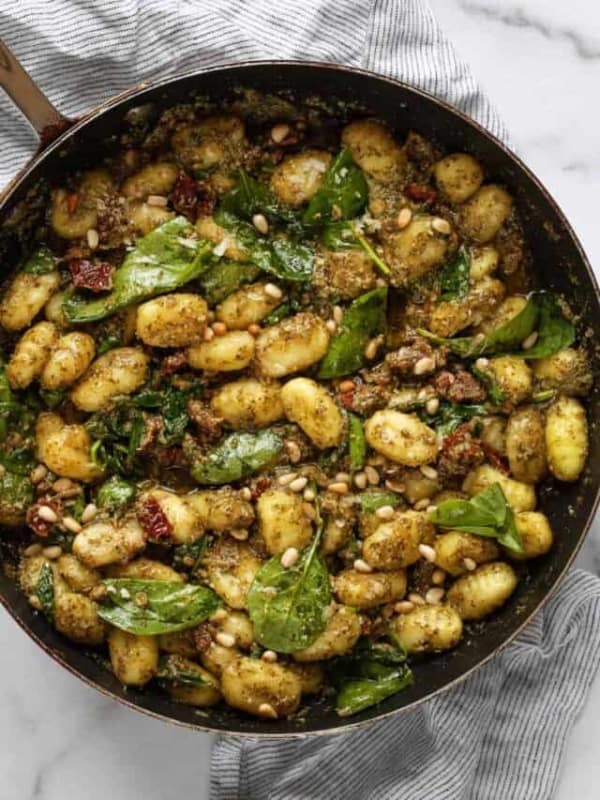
[(450, 415), (339, 236), (343, 194), (115, 493), (44, 589), (281, 312), (41, 262), (494, 390), (288, 606), (542, 313), (223, 278), (16, 495), (287, 259), (369, 674), (249, 197), (187, 557), (238, 455), (151, 607), (163, 260), (18, 460), (486, 514), (175, 670), (171, 404), (357, 443), (108, 343), (366, 317), (454, 277), (373, 499), (52, 397)]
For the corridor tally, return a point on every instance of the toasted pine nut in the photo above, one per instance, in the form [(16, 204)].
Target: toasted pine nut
[(289, 557), (273, 291), (158, 200), (219, 328), (360, 480), (225, 639), (331, 325), (35, 602), (482, 363), (338, 314), (429, 472), (266, 710), (347, 386), (385, 512), (339, 487), (33, 550), (209, 334), (469, 564), (261, 223), (299, 484), (309, 495), (404, 217), (434, 596), (372, 475), (71, 524), (38, 473), (438, 576), (416, 598), (52, 552), (403, 607), (528, 343), (93, 239), (442, 226), (432, 405), (219, 616), (283, 480), (423, 365), (427, 552), (62, 485), (253, 329), (246, 493), (89, 512), (47, 514), (239, 534), (360, 565), (220, 248), (293, 451), (270, 656), (279, 132)]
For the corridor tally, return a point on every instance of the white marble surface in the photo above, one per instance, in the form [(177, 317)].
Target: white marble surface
[(539, 60)]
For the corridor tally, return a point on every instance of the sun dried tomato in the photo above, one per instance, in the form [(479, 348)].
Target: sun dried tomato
[(421, 193), (154, 521), (184, 196), (495, 459), (169, 456), (93, 275), (259, 486), (72, 202), (173, 363)]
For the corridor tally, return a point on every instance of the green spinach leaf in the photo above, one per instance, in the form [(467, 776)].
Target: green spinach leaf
[(285, 258), (343, 194), (163, 260), (41, 262), (555, 333), (451, 415), (115, 493), (187, 557), (372, 499), (44, 589), (486, 514), (174, 670), (16, 495), (249, 197), (366, 317), (151, 607), (369, 674), (357, 443), (494, 390), (238, 455), (171, 405), (225, 277), (454, 277), (288, 606), (18, 460)]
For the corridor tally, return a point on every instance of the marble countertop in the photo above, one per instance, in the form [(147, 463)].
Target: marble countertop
[(539, 61)]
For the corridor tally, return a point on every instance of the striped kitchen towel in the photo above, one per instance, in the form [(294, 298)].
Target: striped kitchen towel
[(501, 733)]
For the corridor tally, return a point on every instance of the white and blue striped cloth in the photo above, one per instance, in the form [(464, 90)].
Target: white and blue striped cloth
[(501, 733)]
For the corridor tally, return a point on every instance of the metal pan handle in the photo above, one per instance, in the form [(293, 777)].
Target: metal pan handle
[(47, 121)]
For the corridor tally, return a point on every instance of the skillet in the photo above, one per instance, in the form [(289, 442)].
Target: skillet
[(561, 265)]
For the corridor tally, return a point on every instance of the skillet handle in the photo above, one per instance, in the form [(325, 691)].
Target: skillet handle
[(47, 121)]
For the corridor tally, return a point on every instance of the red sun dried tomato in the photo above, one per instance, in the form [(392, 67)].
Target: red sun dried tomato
[(173, 363), (154, 521), (495, 459), (39, 526), (93, 275), (421, 193)]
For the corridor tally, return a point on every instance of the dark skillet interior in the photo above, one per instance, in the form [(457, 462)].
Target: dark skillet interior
[(560, 263)]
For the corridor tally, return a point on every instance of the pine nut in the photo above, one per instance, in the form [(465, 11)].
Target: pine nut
[(38, 473), (423, 365), (209, 334), (385, 512), (331, 325), (279, 132), (372, 475), (283, 480), (89, 512), (429, 472), (376, 460), (273, 291), (47, 514), (253, 329), (427, 552), (309, 495), (225, 639), (438, 576), (52, 552), (289, 558), (219, 328), (293, 451), (299, 484), (340, 523), (71, 524), (93, 239), (246, 493), (360, 480), (309, 511), (220, 615), (33, 550), (347, 386), (360, 565), (62, 485), (422, 504), (344, 477), (469, 564), (338, 314), (260, 223), (338, 488), (270, 656), (239, 534), (442, 226), (482, 363), (416, 599), (372, 348), (267, 710), (158, 200), (395, 486), (528, 343), (434, 596), (431, 509), (404, 607), (404, 217), (35, 602), (432, 406), (220, 248)]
